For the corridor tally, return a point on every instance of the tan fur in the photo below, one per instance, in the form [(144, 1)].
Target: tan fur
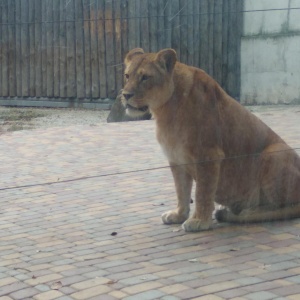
[(208, 137)]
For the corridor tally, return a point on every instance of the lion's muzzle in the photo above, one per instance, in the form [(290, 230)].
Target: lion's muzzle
[(141, 109)]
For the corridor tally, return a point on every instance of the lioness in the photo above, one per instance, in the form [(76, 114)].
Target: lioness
[(234, 158)]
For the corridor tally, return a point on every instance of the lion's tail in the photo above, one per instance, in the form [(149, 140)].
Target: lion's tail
[(256, 216)]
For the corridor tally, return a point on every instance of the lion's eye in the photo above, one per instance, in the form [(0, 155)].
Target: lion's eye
[(145, 77), (126, 76)]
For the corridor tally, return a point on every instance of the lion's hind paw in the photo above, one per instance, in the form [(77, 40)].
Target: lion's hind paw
[(221, 215)]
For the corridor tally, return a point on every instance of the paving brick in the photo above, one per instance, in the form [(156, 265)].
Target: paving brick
[(254, 271), (78, 271), (91, 292), (82, 285), (39, 267), (66, 281), (217, 287), (11, 288), (62, 268), (214, 257), (224, 277), (120, 276), (275, 259), (86, 263), (118, 294), (149, 295), (173, 289), (40, 273), (248, 280), (293, 297), (232, 293), (43, 279), (283, 236), (263, 286), (124, 268), (195, 267), (283, 282), (147, 269), (286, 291), (2, 275), (274, 275), (114, 263), (25, 293), (48, 295), (125, 255), (138, 279), (166, 273), (139, 258), (164, 260), (21, 277), (66, 290), (238, 267), (295, 279), (64, 298), (168, 297), (208, 297), (7, 281), (183, 278), (261, 295), (98, 273), (197, 283), (42, 287), (294, 270), (142, 287)]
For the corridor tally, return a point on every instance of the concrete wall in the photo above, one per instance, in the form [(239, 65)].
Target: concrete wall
[(270, 53)]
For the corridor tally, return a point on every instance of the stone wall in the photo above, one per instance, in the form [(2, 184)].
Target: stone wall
[(270, 52)]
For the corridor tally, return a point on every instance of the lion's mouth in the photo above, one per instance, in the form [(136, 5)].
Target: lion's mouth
[(142, 109)]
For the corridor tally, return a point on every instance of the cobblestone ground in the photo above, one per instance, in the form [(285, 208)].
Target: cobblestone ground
[(69, 230)]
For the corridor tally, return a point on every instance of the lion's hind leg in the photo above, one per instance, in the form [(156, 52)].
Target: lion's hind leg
[(258, 215), (280, 176)]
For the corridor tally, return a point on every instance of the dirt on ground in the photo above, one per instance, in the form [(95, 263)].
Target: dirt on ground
[(14, 119)]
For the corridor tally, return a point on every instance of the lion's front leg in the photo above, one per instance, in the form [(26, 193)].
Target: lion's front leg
[(206, 186), (183, 183)]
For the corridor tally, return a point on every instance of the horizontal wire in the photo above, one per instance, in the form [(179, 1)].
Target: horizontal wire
[(142, 170), (146, 17)]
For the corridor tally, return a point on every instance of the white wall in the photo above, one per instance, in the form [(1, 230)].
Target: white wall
[(270, 53)]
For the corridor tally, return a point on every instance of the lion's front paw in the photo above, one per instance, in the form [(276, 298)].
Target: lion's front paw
[(173, 217), (194, 225)]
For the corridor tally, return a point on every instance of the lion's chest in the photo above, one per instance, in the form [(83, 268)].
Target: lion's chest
[(174, 154), (173, 147)]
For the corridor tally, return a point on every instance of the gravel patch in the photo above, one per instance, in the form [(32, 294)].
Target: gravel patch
[(13, 119), (64, 117)]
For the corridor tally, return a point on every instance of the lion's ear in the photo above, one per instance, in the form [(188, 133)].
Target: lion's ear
[(167, 59), (132, 53)]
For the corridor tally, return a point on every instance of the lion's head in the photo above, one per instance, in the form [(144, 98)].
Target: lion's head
[(148, 80)]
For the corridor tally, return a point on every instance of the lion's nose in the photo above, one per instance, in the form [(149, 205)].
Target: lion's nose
[(127, 96)]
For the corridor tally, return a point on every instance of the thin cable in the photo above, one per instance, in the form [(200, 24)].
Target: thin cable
[(140, 170), (146, 17)]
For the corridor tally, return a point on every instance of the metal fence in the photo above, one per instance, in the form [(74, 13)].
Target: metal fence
[(72, 50)]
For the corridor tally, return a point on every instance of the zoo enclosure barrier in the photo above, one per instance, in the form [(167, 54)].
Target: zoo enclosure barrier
[(71, 51)]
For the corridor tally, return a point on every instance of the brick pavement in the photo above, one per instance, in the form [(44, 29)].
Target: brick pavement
[(56, 240)]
